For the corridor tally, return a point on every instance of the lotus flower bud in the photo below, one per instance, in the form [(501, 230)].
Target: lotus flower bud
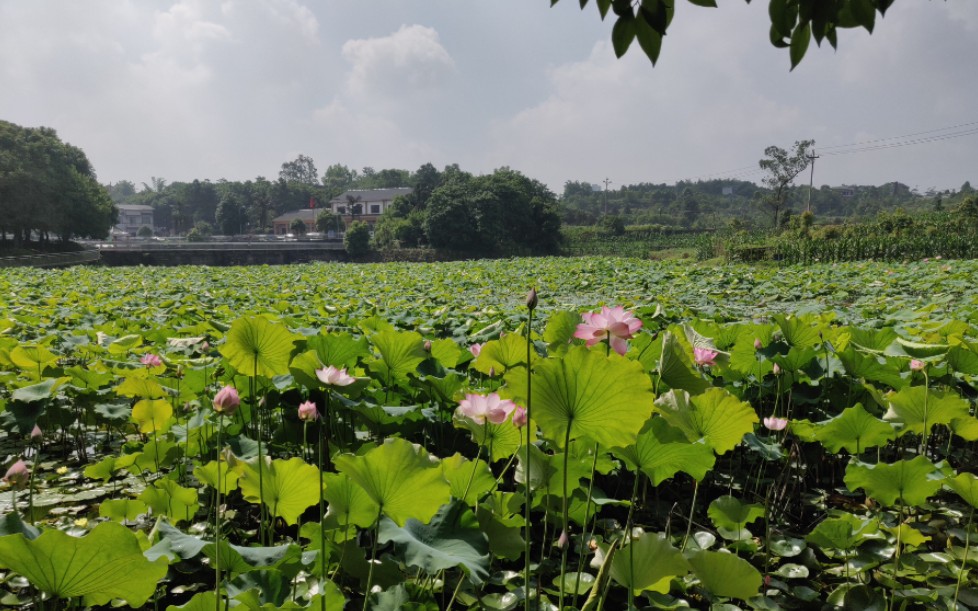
[(427, 345), (226, 401), (531, 299), (776, 369), (917, 365), (18, 475), (36, 434), (757, 343), (563, 539), (519, 417)]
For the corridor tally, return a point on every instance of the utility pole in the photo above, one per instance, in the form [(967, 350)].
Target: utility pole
[(606, 183), (811, 179)]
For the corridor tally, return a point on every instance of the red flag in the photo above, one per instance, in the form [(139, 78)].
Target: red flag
[(312, 202)]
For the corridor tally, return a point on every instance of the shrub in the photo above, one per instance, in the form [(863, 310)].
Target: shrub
[(357, 239)]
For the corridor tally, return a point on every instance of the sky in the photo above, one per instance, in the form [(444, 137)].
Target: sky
[(209, 90)]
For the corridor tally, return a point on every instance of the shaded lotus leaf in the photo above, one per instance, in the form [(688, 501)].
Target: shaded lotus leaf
[(106, 468), (33, 360), (404, 482), (349, 504), (725, 574), (843, 532), (121, 510), (136, 384), (715, 416), (648, 563), (38, 392), (400, 354), (255, 345), (201, 601), (463, 473), (606, 399), (503, 354), (582, 581), (289, 486), (662, 450), (729, 512), (207, 474), (675, 368), (965, 428), (167, 498), (854, 429), (502, 440), (915, 405), (966, 485), (875, 340), (869, 367), (909, 481), (963, 359), (908, 535), (152, 415), (452, 538), (106, 563)]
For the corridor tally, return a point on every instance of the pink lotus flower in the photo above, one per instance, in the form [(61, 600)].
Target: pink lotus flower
[(18, 475), (331, 376), (226, 401), (917, 365), (616, 324), (563, 539), (775, 424), (308, 411), (151, 360), (776, 369), (481, 408), (757, 343), (475, 349), (36, 433), (519, 417), (705, 357)]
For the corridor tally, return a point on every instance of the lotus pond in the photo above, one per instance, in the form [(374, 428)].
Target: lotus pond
[(409, 436)]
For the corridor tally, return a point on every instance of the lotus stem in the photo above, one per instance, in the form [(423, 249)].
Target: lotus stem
[(964, 562), (373, 558), (689, 522), (628, 537), (531, 305), (475, 463), (565, 519), (322, 517), (587, 512), (217, 518)]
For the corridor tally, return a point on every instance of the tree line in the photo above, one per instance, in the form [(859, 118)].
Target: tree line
[(48, 189)]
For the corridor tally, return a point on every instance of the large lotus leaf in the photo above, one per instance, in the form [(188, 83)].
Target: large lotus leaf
[(152, 415), (675, 368), (207, 474), (303, 369), (349, 504), (663, 450), (917, 350), (106, 468), (338, 349), (404, 482), (255, 345), (106, 563), (843, 532), (168, 498), (798, 332), (121, 510), (911, 481), (648, 563), (695, 339), (730, 513), (716, 416), (604, 398), (560, 328), (447, 352), (463, 473), (966, 485), (502, 440), (33, 359), (875, 340), (725, 574), (38, 392), (452, 538), (869, 367), (915, 405), (156, 455), (202, 601), (965, 428), (501, 355), (136, 384), (854, 429), (963, 359), (400, 354), (289, 486)]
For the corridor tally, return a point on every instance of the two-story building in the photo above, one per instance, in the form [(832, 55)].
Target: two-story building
[(132, 217), (365, 205)]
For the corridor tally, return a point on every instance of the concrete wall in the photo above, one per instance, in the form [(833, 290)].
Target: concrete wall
[(217, 258)]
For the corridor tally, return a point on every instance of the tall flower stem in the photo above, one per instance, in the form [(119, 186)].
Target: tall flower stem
[(531, 304), (322, 516), (373, 558), (587, 516), (475, 463), (256, 418), (565, 517), (689, 522), (628, 538), (217, 518), (964, 562), (923, 432)]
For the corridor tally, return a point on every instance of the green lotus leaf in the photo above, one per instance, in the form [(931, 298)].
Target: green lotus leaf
[(919, 350), (289, 486), (463, 473), (799, 332), (582, 581), (121, 510), (606, 399), (963, 359), (911, 481), (843, 532), (730, 513), (695, 339), (106, 563), (166, 497), (256, 346), (38, 392), (447, 352), (452, 538), (122, 345), (202, 601), (503, 354), (136, 384), (854, 429), (907, 535), (106, 468), (965, 428), (869, 367), (560, 328), (874, 340), (303, 369), (675, 368), (725, 574), (338, 349), (715, 416), (915, 405), (152, 415), (503, 440), (400, 354), (33, 359), (207, 474), (648, 563), (349, 504), (404, 482), (663, 450), (966, 485), (156, 455)]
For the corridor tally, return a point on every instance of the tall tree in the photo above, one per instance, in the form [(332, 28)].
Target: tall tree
[(302, 169), (781, 169)]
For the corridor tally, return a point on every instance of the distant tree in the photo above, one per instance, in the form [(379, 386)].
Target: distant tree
[(337, 179), (423, 183), (613, 224), (966, 188), (354, 207), (121, 191), (200, 232), (302, 170), (145, 232), (230, 214), (781, 169), (356, 240), (298, 227), (326, 220)]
